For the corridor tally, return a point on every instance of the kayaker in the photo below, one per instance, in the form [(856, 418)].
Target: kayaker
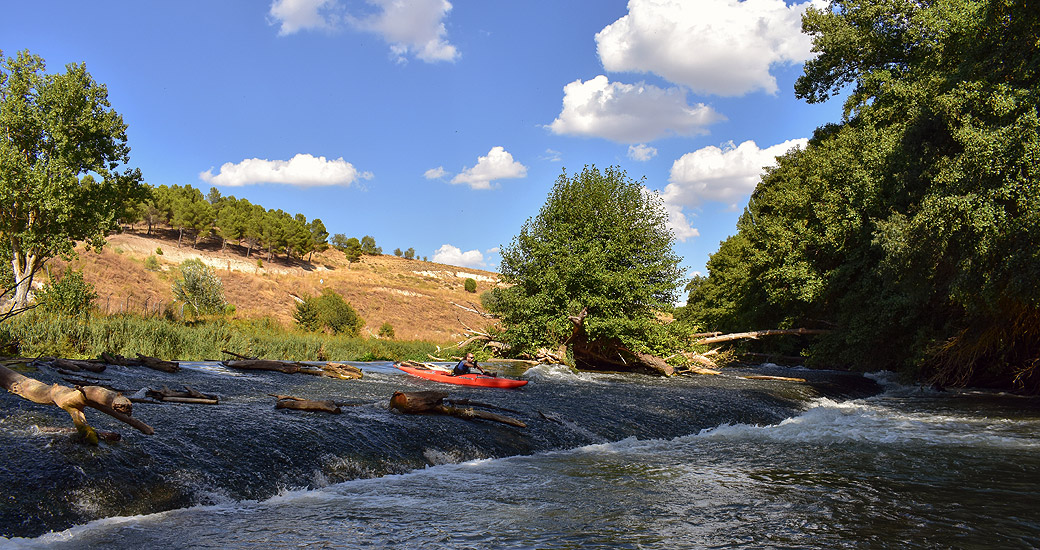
[(466, 366)]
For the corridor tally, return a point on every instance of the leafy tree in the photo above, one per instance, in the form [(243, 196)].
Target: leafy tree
[(386, 330), (328, 311), (368, 246), (409, 254), (319, 236), (70, 294), (61, 151), (589, 272), (470, 284), (911, 227), (398, 252), (199, 288)]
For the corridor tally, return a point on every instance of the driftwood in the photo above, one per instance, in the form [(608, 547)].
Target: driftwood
[(757, 333), (77, 365), (189, 395), (233, 354), (433, 402), (141, 361), (766, 377), (73, 401), (342, 371), (300, 404)]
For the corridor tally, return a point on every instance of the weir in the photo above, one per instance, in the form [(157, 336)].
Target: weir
[(246, 449)]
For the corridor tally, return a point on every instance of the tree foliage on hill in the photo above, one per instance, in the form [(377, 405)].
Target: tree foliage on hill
[(63, 152), (328, 311), (589, 272), (913, 226), (199, 288)]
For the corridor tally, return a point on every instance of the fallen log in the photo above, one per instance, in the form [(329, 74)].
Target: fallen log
[(300, 404), (73, 401), (288, 367), (77, 365), (233, 354), (189, 395), (342, 371), (141, 361), (767, 377), (757, 333), (432, 402)]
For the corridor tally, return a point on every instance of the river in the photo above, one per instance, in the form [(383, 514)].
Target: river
[(607, 461)]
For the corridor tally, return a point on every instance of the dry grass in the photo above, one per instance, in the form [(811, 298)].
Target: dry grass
[(415, 297)]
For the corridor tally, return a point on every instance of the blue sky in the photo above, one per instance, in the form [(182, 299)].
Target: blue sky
[(442, 126)]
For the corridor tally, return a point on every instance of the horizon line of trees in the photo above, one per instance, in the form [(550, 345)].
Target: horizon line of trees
[(272, 231)]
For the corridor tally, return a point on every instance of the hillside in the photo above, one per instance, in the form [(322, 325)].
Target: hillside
[(414, 296)]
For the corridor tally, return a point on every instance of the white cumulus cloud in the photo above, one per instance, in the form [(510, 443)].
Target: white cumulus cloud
[(497, 165), (641, 152), (723, 174), (297, 15), (411, 27), (453, 255), (629, 113), (303, 170), (723, 47)]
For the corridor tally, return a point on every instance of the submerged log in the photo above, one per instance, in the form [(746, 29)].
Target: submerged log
[(300, 404), (767, 377), (342, 371), (73, 401), (432, 402), (330, 369)]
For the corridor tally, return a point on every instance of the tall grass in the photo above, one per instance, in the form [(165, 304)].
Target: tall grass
[(37, 333)]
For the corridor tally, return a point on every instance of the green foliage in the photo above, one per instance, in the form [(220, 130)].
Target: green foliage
[(386, 330), (38, 333), (351, 247), (199, 288), (600, 243), (912, 227), (328, 312), (470, 285), (63, 151), (368, 246), (409, 254), (151, 263), (69, 295), (158, 251)]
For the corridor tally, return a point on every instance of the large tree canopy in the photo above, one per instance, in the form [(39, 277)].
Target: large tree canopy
[(61, 151), (591, 269), (913, 226)]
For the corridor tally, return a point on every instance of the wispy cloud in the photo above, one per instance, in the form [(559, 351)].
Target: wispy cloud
[(297, 15), (629, 113), (641, 152), (435, 173), (302, 170), (411, 27)]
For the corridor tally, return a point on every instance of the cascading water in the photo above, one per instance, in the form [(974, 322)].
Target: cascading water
[(607, 460)]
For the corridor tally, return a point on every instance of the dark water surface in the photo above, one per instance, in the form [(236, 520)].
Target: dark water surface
[(607, 461)]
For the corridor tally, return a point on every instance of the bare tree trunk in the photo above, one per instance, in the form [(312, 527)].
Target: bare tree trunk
[(755, 334)]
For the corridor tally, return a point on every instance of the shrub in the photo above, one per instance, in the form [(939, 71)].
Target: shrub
[(70, 294), (151, 263), (158, 251), (199, 288), (471, 285), (386, 331), (329, 311)]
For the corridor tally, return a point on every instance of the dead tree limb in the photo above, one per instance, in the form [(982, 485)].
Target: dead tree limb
[(77, 365), (432, 402), (73, 401), (758, 333), (300, 404), (233, 354)]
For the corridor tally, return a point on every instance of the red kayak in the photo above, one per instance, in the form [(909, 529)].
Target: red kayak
[(473, 379)]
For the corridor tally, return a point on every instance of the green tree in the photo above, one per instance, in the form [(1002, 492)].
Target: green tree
[(368, 246), (199, 288), (398, 252), (409, 254), (470, 284), (910, 227), (62, 147), (330, 312), (70, 294), (590, 271), (319, 236), (386, 330)]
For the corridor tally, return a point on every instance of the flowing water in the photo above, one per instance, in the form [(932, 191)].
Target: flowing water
[(607, 461)]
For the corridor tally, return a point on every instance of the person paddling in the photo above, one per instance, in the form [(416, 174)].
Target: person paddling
[(466, 366)]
